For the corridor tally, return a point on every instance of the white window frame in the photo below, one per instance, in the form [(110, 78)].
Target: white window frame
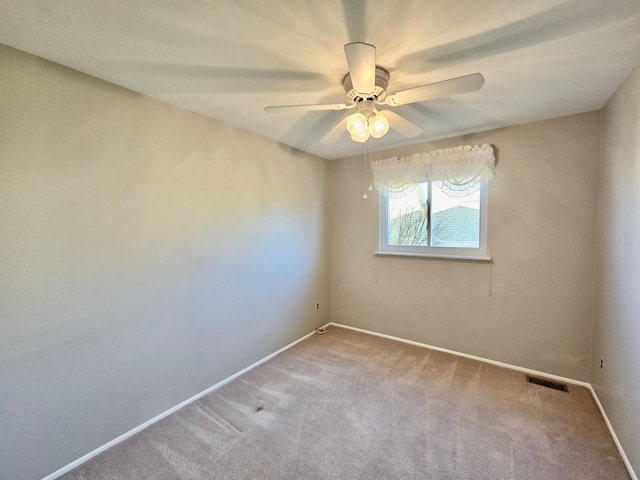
[(480, 253)]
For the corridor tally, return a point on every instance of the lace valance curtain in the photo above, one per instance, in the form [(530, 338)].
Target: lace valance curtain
[(460, 169)]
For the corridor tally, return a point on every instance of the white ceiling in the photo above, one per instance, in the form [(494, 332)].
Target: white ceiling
[(228, 59)]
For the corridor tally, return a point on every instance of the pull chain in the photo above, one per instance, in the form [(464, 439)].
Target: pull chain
[(366, 178), (370, 188), (366, 195)]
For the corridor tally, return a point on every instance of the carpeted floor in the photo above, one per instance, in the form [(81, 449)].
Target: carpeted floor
[(347, 405)]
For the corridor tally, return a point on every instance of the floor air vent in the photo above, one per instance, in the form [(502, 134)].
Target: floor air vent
[(548, 383)]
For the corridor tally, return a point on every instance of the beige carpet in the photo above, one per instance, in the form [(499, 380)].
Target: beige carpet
[(347, 405)]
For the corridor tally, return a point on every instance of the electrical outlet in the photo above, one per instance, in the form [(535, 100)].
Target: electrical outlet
[(601, 363), (317, 306)]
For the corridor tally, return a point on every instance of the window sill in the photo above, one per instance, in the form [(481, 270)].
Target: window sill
[(433, 255)]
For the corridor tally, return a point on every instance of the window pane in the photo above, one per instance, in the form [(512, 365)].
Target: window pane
[(456, 220), (407, 218)]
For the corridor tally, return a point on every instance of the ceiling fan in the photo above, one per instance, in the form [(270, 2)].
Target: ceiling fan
[(365, 87)]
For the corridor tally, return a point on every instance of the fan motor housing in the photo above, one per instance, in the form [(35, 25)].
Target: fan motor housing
[(379, 93)]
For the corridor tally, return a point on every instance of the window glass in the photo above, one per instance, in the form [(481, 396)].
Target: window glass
[(455, 219), (408, 218), (436, 218)]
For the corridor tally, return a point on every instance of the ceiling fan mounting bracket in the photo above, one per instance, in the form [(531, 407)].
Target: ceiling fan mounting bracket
[(378, 94)]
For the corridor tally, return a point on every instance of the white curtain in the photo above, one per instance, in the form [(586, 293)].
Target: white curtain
[(460, 169)]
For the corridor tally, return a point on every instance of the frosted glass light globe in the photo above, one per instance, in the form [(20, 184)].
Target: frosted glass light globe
[(360, 137), (378, 126), (357, 124)]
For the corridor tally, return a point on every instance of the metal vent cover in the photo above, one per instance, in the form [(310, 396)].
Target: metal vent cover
[(548, 383)]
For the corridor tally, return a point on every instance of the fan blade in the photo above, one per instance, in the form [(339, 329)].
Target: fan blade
[(307, 108), (355, 15), (336, 132), (361, 58), (402, 125), (445, 88)]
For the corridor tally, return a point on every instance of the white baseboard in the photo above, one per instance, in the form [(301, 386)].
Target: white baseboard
[(472, 357), (520, 369), (613, 434), (137, 429)]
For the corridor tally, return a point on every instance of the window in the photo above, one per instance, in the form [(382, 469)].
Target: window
[(436, 219), (435, 203)]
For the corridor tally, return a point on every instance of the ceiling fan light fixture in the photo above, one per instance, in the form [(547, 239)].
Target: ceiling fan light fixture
[(378, 125)]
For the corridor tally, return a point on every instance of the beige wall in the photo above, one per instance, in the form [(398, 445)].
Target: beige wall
[(616, 333), (146, 254), (542, 221)]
